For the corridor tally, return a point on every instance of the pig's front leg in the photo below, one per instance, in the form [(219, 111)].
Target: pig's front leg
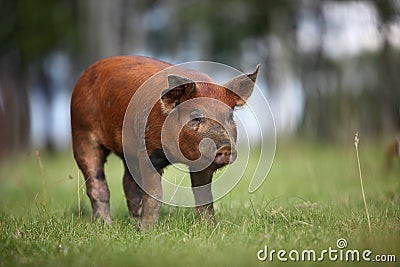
[(201, 186), (152, 194)]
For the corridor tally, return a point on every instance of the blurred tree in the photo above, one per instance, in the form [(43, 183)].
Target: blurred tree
[(229, 31), (318, 75), (356, 93), (29, 30), (389, 61), (230, 22)]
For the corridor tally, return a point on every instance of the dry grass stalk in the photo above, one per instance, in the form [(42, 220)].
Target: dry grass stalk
[(356, 141), (43, 182)]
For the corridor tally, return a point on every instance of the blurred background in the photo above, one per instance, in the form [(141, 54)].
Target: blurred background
[(329, 68)]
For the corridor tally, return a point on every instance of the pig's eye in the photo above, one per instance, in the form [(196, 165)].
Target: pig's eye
[(196, 114), (196, 118), (195, 123)]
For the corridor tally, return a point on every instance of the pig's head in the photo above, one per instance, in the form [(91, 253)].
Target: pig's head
[(200, 129)]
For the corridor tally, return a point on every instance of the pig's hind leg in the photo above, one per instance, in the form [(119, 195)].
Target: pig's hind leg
[(91, 158)]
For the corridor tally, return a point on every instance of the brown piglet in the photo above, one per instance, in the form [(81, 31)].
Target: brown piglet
[(100, 110)]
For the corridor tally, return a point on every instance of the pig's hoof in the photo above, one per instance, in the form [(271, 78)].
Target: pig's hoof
[(209, 221), (101, 212), (106, 219), (147, 225)]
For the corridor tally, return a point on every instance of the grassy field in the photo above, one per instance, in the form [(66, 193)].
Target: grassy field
[(310, 199)]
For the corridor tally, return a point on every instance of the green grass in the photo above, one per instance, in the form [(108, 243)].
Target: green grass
[(310, 199)]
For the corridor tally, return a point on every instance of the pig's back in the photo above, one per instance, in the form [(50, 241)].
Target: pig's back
[(102, 94)]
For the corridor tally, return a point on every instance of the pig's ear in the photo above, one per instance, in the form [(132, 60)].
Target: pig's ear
[(242, 86), (179, 89)]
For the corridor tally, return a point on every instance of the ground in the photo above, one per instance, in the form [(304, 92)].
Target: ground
[(310, 200)]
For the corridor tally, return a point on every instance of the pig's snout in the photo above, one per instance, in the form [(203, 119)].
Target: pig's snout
[(225, 155)]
